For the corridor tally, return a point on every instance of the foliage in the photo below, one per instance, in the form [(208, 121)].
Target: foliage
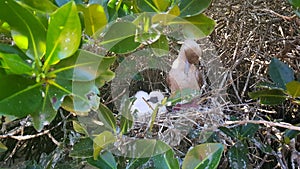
[(296, 6), (44, 70), (284, 86), (38, 70)]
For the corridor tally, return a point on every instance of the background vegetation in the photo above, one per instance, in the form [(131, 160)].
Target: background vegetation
[(46, 91)]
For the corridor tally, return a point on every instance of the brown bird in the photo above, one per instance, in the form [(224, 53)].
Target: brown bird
[(184, 73)]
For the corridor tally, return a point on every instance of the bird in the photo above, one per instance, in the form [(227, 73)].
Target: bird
[(184, 73), (144, 105)]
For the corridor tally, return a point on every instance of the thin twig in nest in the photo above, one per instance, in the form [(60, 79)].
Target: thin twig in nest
[(273, 124)]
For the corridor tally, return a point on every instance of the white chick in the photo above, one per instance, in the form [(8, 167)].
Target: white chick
[(155, 99), (144, 105)]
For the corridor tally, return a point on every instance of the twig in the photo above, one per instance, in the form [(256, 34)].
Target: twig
[(288, 18), (273, 124), (234, 87), (248, 77)]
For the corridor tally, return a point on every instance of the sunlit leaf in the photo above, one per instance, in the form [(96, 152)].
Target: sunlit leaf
[(94, 18), (204, 24), (79, 128), (174, 11), (193, 7), (203, 156), (101, 141), (293, 88), (3, 148), (14, 64), (63, 35), (120, 37), (46, 6), (27, 31), (295, 3), (280, 73), (269, 97), (162, 5), (146, 6)]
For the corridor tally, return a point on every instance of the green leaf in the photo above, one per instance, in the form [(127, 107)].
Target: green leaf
[(79, 128), (83, 148), (237, 155), (295, 3), (101, 141), (126, 120), (120, 38), (14, 64), (193, 7), (107, 117), (46, 6), (206, 155), (106, 161), (162, 5), (166, 160), (161, 46), (20, 97), (248, 130), (269, 97), (27, 31), (229, 132), (280, 73), (94, 18), (293, 88), (146, 6), (204, 24), (3, 148), (63, 35)]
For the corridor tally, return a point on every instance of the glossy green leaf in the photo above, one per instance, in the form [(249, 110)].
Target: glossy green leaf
[(107, 117), (146, 6), (126, 120), (193, 7), (199, 26), (206, 155), (293, 88), (248, 130), (84, 66), (3, 148), (79, 128), (237, 155), (21, 96), (269, 97), (120, 37), (229, 132), (83, 148), (101, 141), (14, 64), (105, 161), (63, 35), (46, 6), (28, 32), (295, 3), (280, 73), (94, 18), (144, 148), (166, 160), (161, 46), (162, 5), (5, 48)]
